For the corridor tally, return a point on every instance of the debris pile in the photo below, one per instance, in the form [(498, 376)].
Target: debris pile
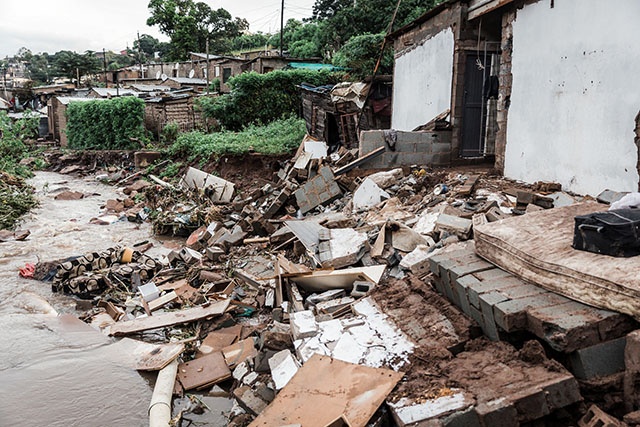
[(310, 298)]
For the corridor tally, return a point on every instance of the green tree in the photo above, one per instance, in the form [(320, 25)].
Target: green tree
[(300, 40), (361, 53), (340, 20), (249, 41), (70, 64), (189, 24)]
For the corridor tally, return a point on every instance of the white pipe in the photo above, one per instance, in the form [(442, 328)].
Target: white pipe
[(160, 406)]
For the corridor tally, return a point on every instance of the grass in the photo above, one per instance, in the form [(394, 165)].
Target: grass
[(279, 137)]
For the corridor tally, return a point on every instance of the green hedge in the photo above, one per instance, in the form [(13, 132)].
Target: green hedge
[(262, 98), (106, 124)]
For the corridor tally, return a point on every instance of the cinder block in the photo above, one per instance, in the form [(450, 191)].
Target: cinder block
[(561, 392), (494, 273), (487, 302), (511, 315), (495, 285), (531, 404), (599, 360), (467, 418), (498, 413), (566, 327)]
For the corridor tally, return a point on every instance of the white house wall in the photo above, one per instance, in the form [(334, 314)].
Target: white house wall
[(575, 95), (422, 82)]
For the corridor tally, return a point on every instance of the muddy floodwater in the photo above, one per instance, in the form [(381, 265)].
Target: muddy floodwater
[(54, 372)]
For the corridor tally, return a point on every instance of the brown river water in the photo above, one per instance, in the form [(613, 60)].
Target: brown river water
[(53, 373)]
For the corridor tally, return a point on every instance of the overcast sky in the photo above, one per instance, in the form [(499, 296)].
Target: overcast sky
[(79, 25)]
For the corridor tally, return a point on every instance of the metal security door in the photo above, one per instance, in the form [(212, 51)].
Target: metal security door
[(473, 108)]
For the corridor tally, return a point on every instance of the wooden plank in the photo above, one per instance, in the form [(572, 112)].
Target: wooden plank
[(537, 248), (163, 300), (203, 371), (325, 390), (360, 161), (169, 319), (324, 280)]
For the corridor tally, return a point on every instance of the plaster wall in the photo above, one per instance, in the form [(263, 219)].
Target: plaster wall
[(575, 95), (422, 82)]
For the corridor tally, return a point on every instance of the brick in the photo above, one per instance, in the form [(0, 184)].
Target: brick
[(598, 360), (512, 315), (561, 392)]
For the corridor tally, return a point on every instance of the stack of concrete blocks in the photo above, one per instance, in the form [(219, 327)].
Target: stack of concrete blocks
[(591, 339), (319, 190), (411, 148)]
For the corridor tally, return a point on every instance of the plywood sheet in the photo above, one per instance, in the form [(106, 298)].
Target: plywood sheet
[(537, 248), (169, 319), (325, 390)]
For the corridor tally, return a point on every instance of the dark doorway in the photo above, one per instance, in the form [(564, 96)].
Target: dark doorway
[(474, 108), (332, 132)]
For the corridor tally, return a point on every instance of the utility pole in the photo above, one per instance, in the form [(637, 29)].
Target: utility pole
[(104, 67), (207, 73), (140, 56), (281, 26)]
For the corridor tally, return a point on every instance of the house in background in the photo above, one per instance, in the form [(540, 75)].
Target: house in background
[(546, 88)]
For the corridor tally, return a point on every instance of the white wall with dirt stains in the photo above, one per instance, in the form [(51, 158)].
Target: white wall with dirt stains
[(575, 95), (422, 82)]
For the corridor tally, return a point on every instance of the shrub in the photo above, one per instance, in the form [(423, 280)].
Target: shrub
[(279, 137), (113, 124), (262, 98)]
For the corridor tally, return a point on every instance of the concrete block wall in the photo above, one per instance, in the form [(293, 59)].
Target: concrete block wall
[(411, 148), (592, 339)]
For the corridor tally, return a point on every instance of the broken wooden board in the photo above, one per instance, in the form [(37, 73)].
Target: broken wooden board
[(537, 248), (169, 319), (324, 280), (218, 189), (325, 390), (239, 352), (203, 371), (150, 357), (163, 300), (217, 340), (360, 161)]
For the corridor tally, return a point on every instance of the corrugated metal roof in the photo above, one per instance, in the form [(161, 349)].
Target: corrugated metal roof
[(187, 80), (313, 66), (150, 88), (105, 92), (65, 100)]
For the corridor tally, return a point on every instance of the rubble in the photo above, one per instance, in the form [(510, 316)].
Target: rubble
[(329, 292)]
